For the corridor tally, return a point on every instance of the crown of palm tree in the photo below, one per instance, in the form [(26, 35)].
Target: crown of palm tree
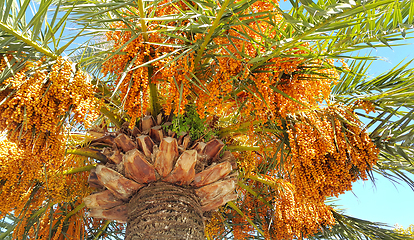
[(280, 94)]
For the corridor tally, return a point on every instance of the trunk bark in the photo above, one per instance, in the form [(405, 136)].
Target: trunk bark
[(164, 211)]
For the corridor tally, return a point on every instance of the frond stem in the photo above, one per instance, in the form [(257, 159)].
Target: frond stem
[(74, 211), (154, 104), (247, 148), (111, 116), (237, 209), (88, 152), (80, 169), (26, 40), (155, 110), (142, 21), (102, 229), (210, 33)]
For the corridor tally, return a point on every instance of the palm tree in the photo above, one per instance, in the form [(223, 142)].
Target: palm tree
[(198, 119)]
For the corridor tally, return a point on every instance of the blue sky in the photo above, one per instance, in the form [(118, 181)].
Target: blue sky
[(386, 203)]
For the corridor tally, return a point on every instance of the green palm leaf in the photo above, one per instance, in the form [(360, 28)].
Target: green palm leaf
[(357, 229)]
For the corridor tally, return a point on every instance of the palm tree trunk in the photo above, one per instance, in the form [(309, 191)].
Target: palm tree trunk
[(165, 211)]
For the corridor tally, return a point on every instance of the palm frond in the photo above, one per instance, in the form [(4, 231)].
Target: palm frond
[(354, 23), (351, 228), (332, 28), (32, 33)]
